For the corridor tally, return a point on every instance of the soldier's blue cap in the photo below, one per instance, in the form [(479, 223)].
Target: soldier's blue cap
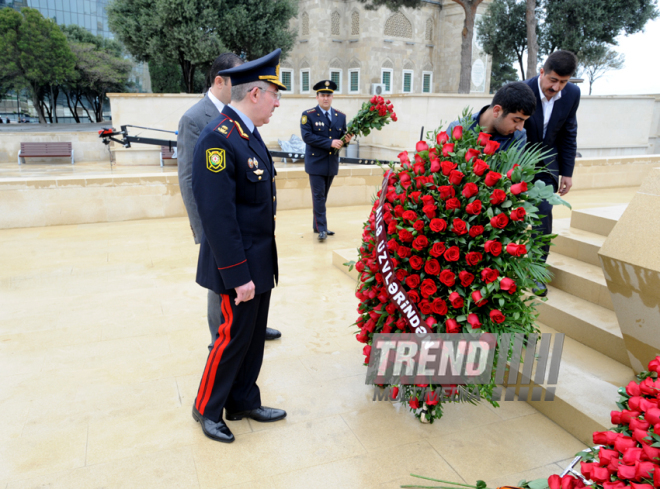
[(327, 86), (266, 68)]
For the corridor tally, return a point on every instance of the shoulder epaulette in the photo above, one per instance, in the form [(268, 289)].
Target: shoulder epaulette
[(311, 110), (227, 126), (241, 131), (337, 110)]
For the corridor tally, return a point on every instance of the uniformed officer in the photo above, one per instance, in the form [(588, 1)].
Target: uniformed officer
[(234, 188), (322, 128)]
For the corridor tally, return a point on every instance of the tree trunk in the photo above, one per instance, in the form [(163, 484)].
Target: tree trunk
[(522, 67), (54, 93), (470, 7), (188, 70), (34, 92), (532, 42), (71, 109)]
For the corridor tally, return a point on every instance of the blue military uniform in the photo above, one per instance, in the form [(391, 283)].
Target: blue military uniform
[(233, 181), (321, 162)]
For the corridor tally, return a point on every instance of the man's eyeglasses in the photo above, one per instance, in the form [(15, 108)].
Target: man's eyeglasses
[(277, 95)]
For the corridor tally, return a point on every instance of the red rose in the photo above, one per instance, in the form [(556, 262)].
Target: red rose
[(421, 146), (413, 296), (435, 165), (519, 188), (510, 172), (508, 285), (473, 257), (471, 154), (404, 178), (441, 138), (419, 225), (414, 403), (437, 249), (466, 278), (416, 262), (428, 288), (452, 254), (412, 281), (469, 190), (405, 235), (429, 211), (518, 214), (452, 326), (459, 227), (476, 231), (404, 252), (473, 320), (474, 208), (456, 300), (359, 266), (497, 317), (403, 157), (554, 481), (483, 138), (448, 278), (427, 199), (478, 299), (398, 211), (491, 147), (516, 250), (394, 118), (401, 274), (654, 365), (493, 247), (497, 197), (455, 177), (499, 221), (625, 472), (492, 178), (453, 203), (420, 242), (410, 216), (439, 306), (432, 267), (447, 167), (457, 133), (446, 192), (489, 275), (447, 148), (438, 225), (480, 167)]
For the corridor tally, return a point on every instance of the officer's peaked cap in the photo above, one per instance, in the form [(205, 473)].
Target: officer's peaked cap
[(325, 86), (266, 68)]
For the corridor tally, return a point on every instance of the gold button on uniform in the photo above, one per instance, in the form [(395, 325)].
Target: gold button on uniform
[(273, 198), (274, 218)]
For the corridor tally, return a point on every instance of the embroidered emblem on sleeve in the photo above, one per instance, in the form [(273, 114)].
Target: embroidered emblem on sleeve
[(215, 159)]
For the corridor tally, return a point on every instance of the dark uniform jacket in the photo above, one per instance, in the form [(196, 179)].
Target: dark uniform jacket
[(561, 134), (236, 202), (318, 135)]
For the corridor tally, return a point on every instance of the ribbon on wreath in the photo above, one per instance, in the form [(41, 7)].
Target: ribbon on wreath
[(395, 290)]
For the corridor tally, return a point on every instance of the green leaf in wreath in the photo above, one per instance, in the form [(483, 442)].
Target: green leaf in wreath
[(538, 484), (506, 204), (481, 485)]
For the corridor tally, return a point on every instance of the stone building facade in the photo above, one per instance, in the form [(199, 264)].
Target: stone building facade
[(410, 51)]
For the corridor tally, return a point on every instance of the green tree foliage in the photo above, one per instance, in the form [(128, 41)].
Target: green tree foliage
[(502, 32), (470, 9), (585, 26), (34, 54), (598, 62), (100, 68), (166, 78), (253, 28), (501, 73)]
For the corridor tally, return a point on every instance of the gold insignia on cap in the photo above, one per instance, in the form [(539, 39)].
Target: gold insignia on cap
[(215, 159), (327, 84), (303, 120)]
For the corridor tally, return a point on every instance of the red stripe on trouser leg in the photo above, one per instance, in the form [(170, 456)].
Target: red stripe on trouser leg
[(217, 350), (221, 345)]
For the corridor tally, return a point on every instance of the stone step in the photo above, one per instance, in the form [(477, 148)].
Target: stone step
[(586, 389), (339, 257), (583, 321), (580, 279), (598, 220), (576, 243)]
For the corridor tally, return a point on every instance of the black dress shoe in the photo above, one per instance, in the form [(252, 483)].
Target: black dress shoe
[(330, 233), (215, 431), (262, 414), (272, 334), (540, 290), (323, 235)]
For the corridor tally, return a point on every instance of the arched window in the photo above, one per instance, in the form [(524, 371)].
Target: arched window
[(398, 26), (305, 24), (429, 29), (335, 24), (355, 24)]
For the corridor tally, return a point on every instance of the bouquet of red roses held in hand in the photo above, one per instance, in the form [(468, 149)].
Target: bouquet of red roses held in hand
[(373, 115)]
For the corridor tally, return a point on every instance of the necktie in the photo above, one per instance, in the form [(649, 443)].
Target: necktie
[(327, 116), (258, 138)]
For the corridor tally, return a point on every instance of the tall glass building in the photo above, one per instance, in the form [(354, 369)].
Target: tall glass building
[(89, 14)]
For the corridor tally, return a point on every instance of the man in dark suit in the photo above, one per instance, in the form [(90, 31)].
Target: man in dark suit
[(233, 181), (322, 129), (190, 126), (554, 125)]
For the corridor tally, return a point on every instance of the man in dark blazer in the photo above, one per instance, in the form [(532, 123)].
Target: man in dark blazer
[(233, 182), (190, 126), (322, 129), (554, 125)]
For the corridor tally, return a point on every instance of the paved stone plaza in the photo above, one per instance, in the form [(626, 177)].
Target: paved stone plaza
[(102, 344)]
